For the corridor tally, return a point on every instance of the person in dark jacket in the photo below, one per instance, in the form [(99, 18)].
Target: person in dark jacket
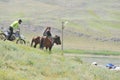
[(47, 32)]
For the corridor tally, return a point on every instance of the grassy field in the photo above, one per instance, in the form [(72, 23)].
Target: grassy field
[(93, 29), (21, 62)]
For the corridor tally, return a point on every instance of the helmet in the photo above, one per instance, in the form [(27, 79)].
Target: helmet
[(20, 20)]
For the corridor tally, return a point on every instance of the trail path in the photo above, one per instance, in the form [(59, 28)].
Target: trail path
[(100, 59), (90, 55)]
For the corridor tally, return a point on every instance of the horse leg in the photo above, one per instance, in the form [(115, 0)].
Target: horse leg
[(50, 48), (46, 48), (35, 45), (41, 43)]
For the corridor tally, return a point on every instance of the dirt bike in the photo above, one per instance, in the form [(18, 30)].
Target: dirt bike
[(15, 36)]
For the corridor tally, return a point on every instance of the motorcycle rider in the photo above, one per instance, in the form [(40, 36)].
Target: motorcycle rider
[(13, 26)]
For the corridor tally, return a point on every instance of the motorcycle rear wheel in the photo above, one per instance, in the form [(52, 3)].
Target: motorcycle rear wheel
[(2, 36)]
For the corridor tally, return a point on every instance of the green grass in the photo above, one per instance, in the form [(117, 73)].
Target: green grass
[(21, 62), (95, 52)]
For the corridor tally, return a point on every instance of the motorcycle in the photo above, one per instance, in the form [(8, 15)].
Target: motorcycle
[(15, 36)]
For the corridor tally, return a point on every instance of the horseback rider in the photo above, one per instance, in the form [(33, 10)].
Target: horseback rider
[(47, 32), (13, 26)]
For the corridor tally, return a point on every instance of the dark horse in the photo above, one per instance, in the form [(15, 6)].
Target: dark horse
[(36, 41), (49, 42)]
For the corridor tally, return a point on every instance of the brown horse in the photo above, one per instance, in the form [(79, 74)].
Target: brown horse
[(36, 41), (49, 42)]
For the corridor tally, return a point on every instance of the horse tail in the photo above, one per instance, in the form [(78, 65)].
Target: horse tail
[(32, 42)]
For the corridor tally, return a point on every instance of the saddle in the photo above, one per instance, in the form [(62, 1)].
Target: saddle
[(45, 37)]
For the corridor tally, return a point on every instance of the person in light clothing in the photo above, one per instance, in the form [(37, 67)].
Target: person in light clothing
[(14, 26)]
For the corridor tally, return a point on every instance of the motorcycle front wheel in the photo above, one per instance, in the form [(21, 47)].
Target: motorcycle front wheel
[(20, 41)]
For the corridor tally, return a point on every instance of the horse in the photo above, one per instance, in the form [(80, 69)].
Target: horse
[(49, 42), (36, 41)]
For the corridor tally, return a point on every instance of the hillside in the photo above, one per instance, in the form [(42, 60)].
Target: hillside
[(21, 62), (93, 28), (93, 24)]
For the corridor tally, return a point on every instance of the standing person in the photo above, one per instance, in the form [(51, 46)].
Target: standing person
[(13, 26)]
